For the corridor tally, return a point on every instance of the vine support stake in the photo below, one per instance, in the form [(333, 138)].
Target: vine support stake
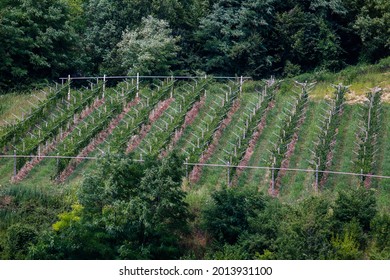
[(228, 173), (58, 161), (316, 184), (241, 82), (273, 177), (104, 85), (14, 163), (173, 82), (137, 85), (186, 163), (68, 89)]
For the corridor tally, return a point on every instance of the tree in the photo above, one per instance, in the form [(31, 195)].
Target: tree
[(380, 226), (357, 204), (305, 230), (372, 25), (228, 215), (306, 37), (234, 37), (37, 41), (19, 238), (151, 49), (137, 212)]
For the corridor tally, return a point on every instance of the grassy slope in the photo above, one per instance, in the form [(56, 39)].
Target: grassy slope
[(383, 188), (259, 178), (295, 185), (17, 104), (218, 176)]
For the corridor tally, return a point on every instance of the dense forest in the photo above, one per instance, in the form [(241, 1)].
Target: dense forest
[(44, 39)]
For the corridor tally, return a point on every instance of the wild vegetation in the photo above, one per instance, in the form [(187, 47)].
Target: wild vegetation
[(42, 40)]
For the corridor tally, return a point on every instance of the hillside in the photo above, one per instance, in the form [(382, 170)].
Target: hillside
[(220, 123)]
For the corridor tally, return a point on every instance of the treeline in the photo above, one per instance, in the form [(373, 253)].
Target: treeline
[(45, 39), (131, 210)]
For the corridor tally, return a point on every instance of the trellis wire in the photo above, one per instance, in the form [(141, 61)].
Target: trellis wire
[(155, 77), (213, 165)]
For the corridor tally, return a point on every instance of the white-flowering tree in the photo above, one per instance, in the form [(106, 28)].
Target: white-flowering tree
[(149, 49)]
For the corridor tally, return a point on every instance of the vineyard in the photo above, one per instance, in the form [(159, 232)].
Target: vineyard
[(220, 126)]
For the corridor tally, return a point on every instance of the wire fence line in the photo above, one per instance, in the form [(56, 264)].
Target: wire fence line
[(155, 77), (227, 165)]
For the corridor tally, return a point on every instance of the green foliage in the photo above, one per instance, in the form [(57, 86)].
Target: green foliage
[(228, 252), (345, 248), (372, 25), (327, 136), (150, 49), (305, 231), (380, 226), (32, 35), (19, 238), (137, 211), (291, 125), (368, 139), (359, 205), (381, 231), (233, 37), (228, 215), (307, 39), (268, 229), (124, 132), (13, 133)]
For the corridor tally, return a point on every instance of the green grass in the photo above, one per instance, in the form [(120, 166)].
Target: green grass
[(218, 176), (260, 178), (17, 104), (343, 155), (383, 189), (295, 185)]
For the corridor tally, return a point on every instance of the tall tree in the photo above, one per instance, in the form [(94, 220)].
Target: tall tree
[(150, 49), (136, 212), (235, 37), (37, 41)]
